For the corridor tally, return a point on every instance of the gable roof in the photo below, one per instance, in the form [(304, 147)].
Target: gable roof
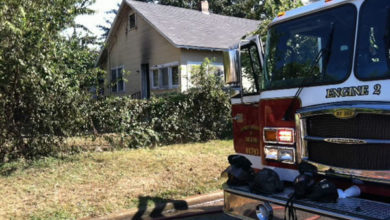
[(188, 28)]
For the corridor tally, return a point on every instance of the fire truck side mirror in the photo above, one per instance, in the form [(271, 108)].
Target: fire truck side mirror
[(231, 60)]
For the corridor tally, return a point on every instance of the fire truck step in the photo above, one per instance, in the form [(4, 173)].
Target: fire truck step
[(349, 208)]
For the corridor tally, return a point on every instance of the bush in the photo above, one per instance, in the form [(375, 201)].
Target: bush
[(44, 98), (199, 115), (43, 76), (177, 118)]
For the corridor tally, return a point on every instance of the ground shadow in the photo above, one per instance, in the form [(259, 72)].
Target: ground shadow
[(160, 205), (8, 168), (6, 171)]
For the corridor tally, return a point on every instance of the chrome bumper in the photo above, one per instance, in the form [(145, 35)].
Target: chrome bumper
[(239, 202)]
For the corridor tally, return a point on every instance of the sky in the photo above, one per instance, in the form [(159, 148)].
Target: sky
[(100, 7)]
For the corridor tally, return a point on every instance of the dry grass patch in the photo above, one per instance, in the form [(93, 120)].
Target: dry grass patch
[(95, 184)]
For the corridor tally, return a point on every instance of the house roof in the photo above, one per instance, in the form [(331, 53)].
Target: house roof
[(188, 28)]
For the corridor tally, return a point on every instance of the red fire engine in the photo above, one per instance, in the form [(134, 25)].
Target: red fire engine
[(318, 92)]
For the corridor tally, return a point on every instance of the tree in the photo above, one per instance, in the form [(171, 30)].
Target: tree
[(252, 9), (107, 25), (269, 9), (239, 8), (44, 77), (206, 76)]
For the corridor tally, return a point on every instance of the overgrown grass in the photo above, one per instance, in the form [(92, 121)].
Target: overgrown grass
[(95, 184)]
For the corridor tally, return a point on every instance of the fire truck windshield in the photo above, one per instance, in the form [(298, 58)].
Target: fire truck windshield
[(372, 60), (292, 47)]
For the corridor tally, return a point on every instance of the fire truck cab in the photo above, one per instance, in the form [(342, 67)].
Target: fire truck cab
[(319, 92)]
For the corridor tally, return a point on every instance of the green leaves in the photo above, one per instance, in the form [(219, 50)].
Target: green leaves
[(176, 118), (41, 97), (269, 9), (199, 115), (13, 28)]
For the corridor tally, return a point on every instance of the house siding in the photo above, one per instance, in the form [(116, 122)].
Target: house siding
[(131, 48), (145, 45)]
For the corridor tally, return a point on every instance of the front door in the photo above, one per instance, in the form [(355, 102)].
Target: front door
[(145, 90)]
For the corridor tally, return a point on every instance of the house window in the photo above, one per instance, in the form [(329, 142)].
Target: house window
[(175, 76), (165, 76), (155, 78), (114, 86), (117, 82), (132, 21)]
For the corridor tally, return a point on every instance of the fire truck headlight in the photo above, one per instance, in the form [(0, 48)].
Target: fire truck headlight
[(280, 153), (271, 153), (287, 155)]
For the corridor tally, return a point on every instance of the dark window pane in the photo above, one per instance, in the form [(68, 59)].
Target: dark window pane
[(372, 56), (120, 80), (250, 68), (293, 46), (101, 86), (132, 21), (165, 78), (175, 75), (113, 81), (155, 78)]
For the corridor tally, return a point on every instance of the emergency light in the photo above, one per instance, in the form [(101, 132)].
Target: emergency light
[(279, 136), (280, 14)]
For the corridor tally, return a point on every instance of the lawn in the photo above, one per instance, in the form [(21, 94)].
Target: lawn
[(99, 183)]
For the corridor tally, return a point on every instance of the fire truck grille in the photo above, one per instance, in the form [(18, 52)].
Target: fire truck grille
[(363, 126), (351, 156), (362, 157)]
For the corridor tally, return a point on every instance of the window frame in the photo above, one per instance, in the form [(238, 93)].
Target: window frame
[(116, 69), (253, 55), (170, 85), (135, 21), (153, 79), (178, 76)]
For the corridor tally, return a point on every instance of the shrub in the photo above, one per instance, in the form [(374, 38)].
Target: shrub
[(177, 118), (43, 76), (199, 115)]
